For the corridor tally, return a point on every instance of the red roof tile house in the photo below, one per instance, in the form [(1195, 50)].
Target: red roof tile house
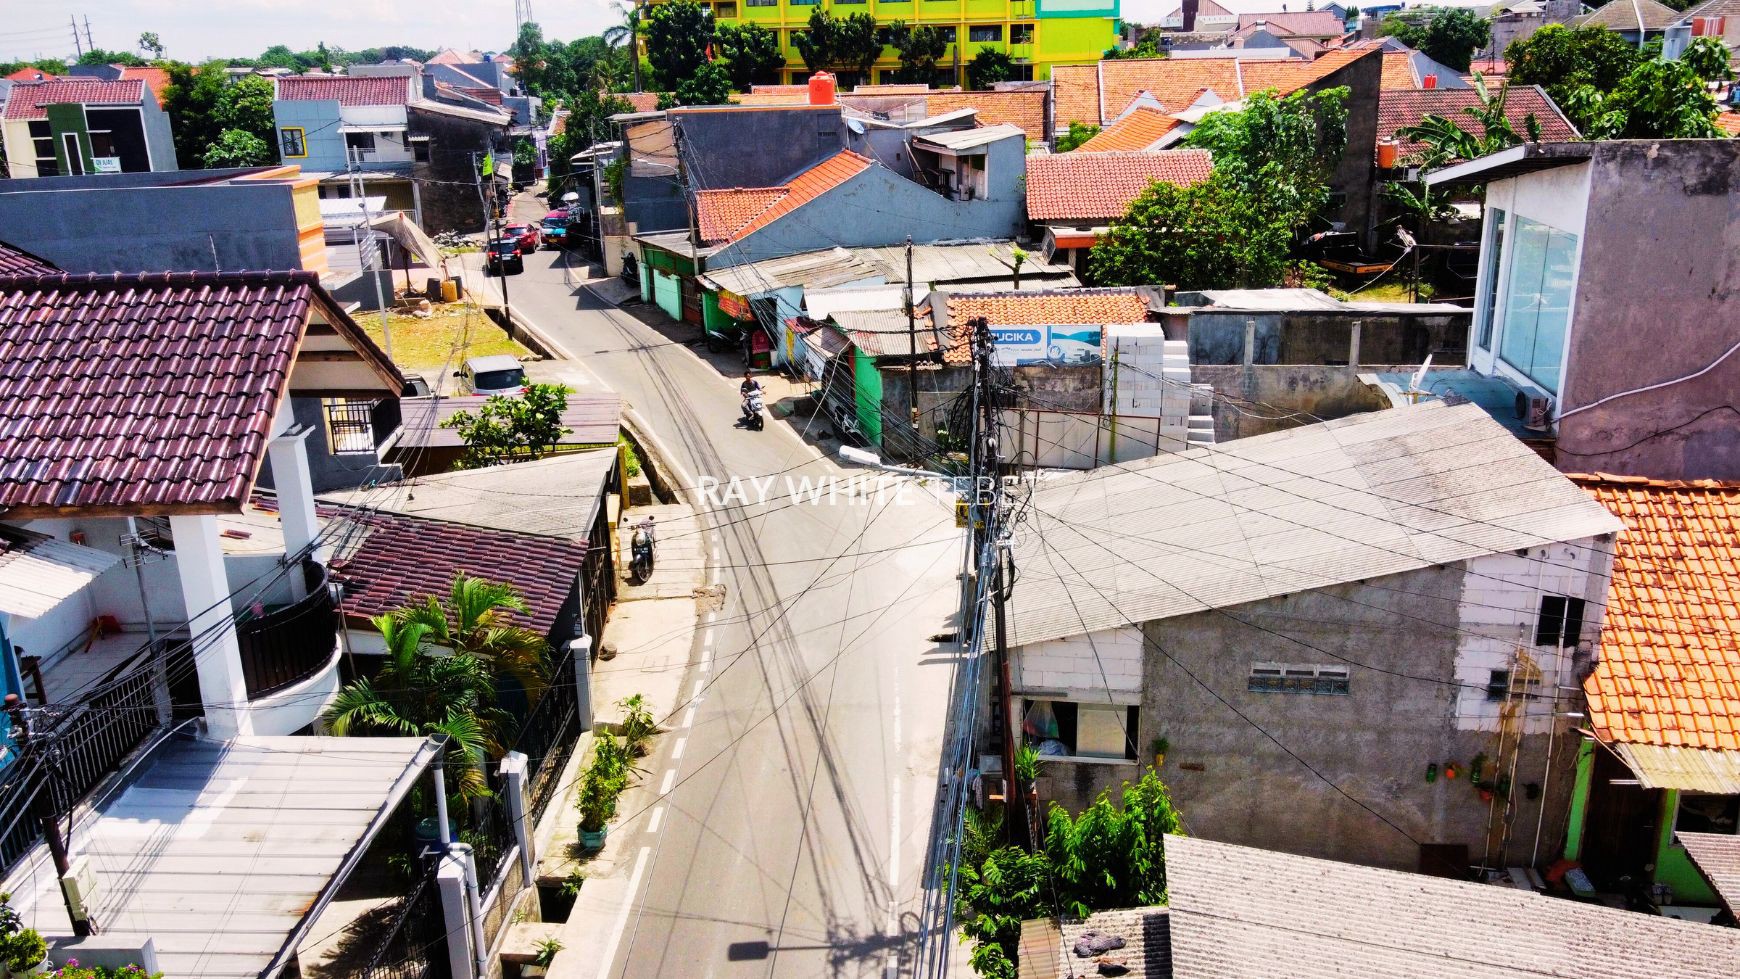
[(1663, 749), (1073, 197), (76, 126), (1405, 109), (138, 412)]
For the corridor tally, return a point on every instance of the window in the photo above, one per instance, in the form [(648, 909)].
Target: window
[(791, 38), (292, 142), (725, 10), (761, 3), (985, 32), (359, 141), (1537, 301), (1298, 678), (1560, 622), (1502, 685), (947, 34), (1020, 33), (42, 144), (1064, 728), (1708, 814), (420, 150), (75, 157), (1489, 282)]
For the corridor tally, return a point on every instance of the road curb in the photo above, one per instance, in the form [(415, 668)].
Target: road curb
[(684, 485)]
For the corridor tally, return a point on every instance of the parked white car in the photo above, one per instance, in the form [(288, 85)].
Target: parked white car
[(499, 374)]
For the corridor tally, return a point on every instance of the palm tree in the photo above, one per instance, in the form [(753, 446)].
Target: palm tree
[(627, 32), (418, 693), (475, 621)]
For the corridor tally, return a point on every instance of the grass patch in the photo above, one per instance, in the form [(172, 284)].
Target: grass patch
[(447, 338), (1389, 291)]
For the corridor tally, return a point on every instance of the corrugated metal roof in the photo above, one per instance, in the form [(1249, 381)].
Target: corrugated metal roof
[(966, 139), (812, 270), (822, 303), (1244, 913), (591, 419), (1718, 856), (883, 332), (220, 850), (961, 262), (38, 573), (550, 497), (1372, 494), (1687, 769)]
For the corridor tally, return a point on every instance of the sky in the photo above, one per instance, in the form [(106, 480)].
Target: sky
[(195, 30)]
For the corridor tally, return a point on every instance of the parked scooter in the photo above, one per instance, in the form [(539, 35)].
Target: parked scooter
[(641, 547), (752, 416)]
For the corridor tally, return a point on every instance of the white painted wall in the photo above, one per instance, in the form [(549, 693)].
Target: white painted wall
[(1097, 667), (1558, 198), (1499, 613)]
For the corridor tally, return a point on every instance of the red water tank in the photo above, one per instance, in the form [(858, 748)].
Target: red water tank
[(821, 88), (1430, 81)]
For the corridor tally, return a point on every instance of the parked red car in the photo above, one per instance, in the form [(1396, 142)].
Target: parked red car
[(525, 234)]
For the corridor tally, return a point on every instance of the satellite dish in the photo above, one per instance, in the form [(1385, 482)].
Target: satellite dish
[(1419, 377)]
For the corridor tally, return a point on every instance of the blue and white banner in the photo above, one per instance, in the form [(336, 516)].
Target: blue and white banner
[(1064, 345)]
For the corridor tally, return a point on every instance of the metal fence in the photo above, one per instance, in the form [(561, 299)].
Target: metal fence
[(415, 945), (547, 735), (360, 426), (288, 645), (489, 831)]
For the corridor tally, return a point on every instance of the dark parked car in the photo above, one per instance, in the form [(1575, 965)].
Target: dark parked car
[(504, 257), (525, 234)]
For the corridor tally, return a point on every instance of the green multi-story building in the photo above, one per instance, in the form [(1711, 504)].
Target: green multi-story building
[(1037, 34)]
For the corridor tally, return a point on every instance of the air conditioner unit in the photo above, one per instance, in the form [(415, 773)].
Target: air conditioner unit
[(1534, 409)]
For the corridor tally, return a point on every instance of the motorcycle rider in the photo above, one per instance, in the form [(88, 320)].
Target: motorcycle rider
[(750, 391), (645, 534)]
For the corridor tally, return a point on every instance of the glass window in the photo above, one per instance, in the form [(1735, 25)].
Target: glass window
[(725, 10), (1560, 622), (1298, 678), (420, 151), (1020, 33), (359, 141), (761, 3), (985, 32), (1489, 282), (1537, 301), (292, 142), (1068, 729), (947, 34), (1708, 814)]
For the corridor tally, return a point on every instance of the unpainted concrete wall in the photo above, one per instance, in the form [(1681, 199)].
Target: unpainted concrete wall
[(135, 227), (446, 184), (1257, 400), (1313, 337)]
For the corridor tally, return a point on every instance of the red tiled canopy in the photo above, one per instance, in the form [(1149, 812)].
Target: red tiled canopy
[(17, 261), (142, 393), (30, 100)]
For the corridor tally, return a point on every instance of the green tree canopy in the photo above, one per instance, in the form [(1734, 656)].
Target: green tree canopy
[(750, 53), (677, 35), (1079, 133), (524, 425), (247, 105), (1280, 149), (191, 100), (710, 85), (1447, 35), (1708, 59), (1657, 100), (989, 67), (1560, 58), (149, 41), (1218, 234), (840, 44), (97, 56), (238, 148), (919, 48), (1146, 48)]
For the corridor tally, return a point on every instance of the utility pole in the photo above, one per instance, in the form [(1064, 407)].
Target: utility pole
[(78, 43), (491, 224), (911, 341), (359, 191), (1015, 795), (88, 42), (49, 811)]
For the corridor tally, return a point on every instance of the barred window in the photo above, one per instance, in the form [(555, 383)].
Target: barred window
[(1298, 678)]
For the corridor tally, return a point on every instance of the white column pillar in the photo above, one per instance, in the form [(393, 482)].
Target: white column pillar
[(206, 589), (295, 488), (513, 772), (451, 879), (581, 650)]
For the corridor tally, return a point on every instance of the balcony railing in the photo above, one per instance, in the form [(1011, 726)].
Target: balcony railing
[(287, 645), (361, 426)]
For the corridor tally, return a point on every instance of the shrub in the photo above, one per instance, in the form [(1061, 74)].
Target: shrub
[(638, 725), (605, 779)]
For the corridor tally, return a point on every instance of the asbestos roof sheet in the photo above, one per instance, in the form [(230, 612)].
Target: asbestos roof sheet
[(967, 139), (1372, 494), (132, 392), (219, 850), (968, 261), (1243, 913), (1668, 673), (38, 573), (1718, 857), (592, 419), (883, 332), (556, 496), (401, 559), (812, 270), (1687, 769)]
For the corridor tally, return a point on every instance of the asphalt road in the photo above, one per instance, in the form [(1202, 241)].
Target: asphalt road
[(801, 785)]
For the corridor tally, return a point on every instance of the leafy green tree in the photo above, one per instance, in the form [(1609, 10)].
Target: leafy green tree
[(1079, 133), (149, 41), (238, 148), (1560, 59), (840, 44), (524, 425), (1280, 150), (1218, 234), (1708, 59), (1657, 100), (1146, 48), (920, 50), (1447, 35), (989, 67), (710, 85), (750, 53), (477, 620), (191, 101), (97, 56), (1444, 139), (531, 54), (418, 693), (677, 35), (247, 105)]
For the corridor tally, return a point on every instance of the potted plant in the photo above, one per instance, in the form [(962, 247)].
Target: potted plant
[(605, 779), (22, 950), (1161, 746)]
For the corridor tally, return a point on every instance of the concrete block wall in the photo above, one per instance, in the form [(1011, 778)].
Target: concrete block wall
[(1096, 667)]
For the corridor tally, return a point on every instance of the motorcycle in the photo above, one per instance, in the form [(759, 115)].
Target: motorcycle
[(641, 547), (752, 417)]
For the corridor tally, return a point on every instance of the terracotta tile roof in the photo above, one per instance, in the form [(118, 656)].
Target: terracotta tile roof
[(1076, 94), (1036, 307), (1025, 110), (17, 261), (345, 91), (1398, 72), (770, 98), (29, 100), (642, 101), (134, 392), (1489, 67), (1100, 186), (1175, 82), (730, 214), (1139, 130), (1290, 76), (1315, 23), (1399, 109), (1669, 667), (31, 75), (155, 79), (1728, 122), (403, 558)]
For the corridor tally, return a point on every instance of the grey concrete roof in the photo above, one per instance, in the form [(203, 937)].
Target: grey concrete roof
[(813, 270), (1718, 856), (1372, 494), (1242, 913), (220, 851), (591, 419), (556, 496)]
